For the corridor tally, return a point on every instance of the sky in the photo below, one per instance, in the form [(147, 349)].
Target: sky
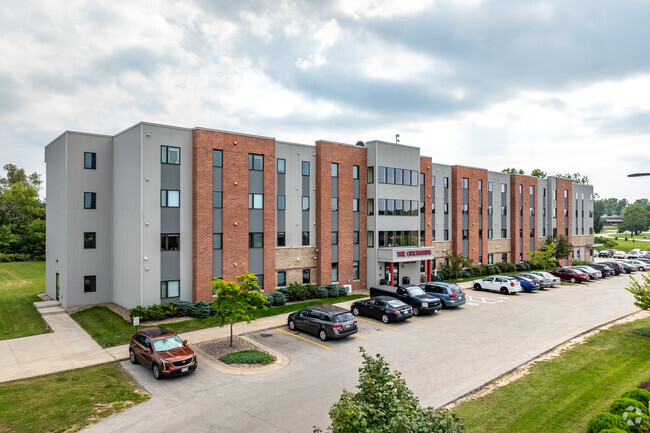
[(563, 86)]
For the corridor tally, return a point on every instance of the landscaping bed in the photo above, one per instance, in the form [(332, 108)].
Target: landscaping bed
[(241, 350)]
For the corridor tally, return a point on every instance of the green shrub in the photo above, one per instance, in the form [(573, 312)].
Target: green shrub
[(604, 421), (297, 292), (170, 309), (636, 421), (332, 292), (284, 291), (468, 271), (278, 298), (201, 310), (626, 404), (521, 267), (580, 262), (505, 267), (613, 430), (343, 291), (437, 277), (478, 270), (465, 274), (311, 291), (138, 311), (184, 308), (322, 292), (638, 394)]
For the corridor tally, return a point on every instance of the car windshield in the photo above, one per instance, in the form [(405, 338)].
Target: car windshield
[(415, 291), (168, 343), (343, 317), (395, 303)]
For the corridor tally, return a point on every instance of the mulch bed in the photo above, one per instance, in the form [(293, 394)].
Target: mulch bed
[(221, 346)]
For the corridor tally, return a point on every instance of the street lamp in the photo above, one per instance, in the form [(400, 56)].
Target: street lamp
[(638, 174)]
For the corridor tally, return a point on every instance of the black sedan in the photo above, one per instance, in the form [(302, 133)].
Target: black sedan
[(385, 308)]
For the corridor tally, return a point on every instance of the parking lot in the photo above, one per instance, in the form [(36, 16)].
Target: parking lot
[(442, 357)]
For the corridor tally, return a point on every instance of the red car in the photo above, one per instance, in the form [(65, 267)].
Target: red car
[(162, 351), (571, 275)]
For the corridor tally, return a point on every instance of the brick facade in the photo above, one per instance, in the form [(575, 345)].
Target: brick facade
[(425, 167), (520, 205), (473, 175)]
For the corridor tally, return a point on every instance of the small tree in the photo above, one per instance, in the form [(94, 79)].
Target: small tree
[(544, 258), (456, 263), (385, 404), (512, 170), (641, 292), (237, 301), (538, 173), (563, 248), (635, 219)]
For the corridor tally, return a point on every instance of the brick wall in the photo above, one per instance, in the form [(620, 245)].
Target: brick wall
[(473, 175), (515, 217), (425, 167)]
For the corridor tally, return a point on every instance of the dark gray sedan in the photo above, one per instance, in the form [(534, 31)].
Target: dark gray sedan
[(450, 294), (385, 308)]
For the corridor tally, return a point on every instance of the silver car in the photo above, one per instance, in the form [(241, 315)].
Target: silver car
[(548, 277), (543, 282)]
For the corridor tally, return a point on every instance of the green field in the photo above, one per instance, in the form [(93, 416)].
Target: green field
[(68, 401), (20, 282), (563, 394), (110, 329), (623, 245)]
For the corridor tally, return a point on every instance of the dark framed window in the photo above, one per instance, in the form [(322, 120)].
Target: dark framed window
[(256, 201), (446, 208), (355, 172), (490, 235), (217, 199), (371, 175), (390, 175), (433, 180), (465, 209), (414, 178), (504, 188), (504, 233), (335, 238), (465, 183), (282, 165), (305, 238), (480, 185), (281, 239), (217, 241), (445, 182), (490, 259), (305, 203), (465, 234), (217, 158), (371, 239), (170, 289), (90, 160), (504, 210), (335, 272), (355, 205), (504, 257), (371, 206), (355, 270), (89, 240), (305, 168), (281, 204), (282, 278), (306, 276), (355, 237), (170, 242), (335, 169), (90, 200), (170, 155), (255, 162), (382, 175), (446, 235), (90, 283), (260, 280), (399, 177), (170, 198), (490, 186), (256, 240)]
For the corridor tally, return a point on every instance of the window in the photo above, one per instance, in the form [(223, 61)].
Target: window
[(433, 207), (355, 237), (305, 168), (532, 190), (382, 174), (255, 201), (566, 193), (504, 257), (480, 209), (446, 235), (335, 170), (281, 239), (90, 200), (490, 186), (170, 289), (89, 240), (480, 185), (414, 178), (217, 241), (521, 189), (465, 209), (591, 214), (591, 230), (282, 278), (280, 202), (446, 208), (490, 236), (217, 199), (532, 211), (554, 212), (555, 194), (390, 175), (282, 166), (90, 283), (371, 206), (371, 175), (489, 210), (335, 238), (480, 233), (445, 182), (422, 179), (335, 272), (433, 181), (260, 280), (555, 232), (170, 155), (335, 203), (465, 183), (306, 276), (305, 238), (371, 239), (433, 235), (504, 188), (504, 233), (465, 234), (504, 210), (398, 176), (90, 160), (591, 197), (490, 259), (169, 242), (355, 205), (256, 240), (217, 158), (305, 203), (355, 270), (170, 198), (355, 172), (255, 162)]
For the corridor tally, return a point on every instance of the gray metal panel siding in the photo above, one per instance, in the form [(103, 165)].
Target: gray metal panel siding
[(256, 181), (170, 265), (256, 260), (355, 221), (465, 247), (335, 221), (305, 222), (217, 220), (355, 252), (217, 263), (335, 253), (256, 220), (305, 184), (170, 176), (335, 187), (355, 187), (217, 179), (281, 184), (280, 220), (170, 220)]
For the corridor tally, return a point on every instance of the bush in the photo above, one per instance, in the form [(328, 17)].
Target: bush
[(138, 311), (343, 291), (637, 421), (322, 292), (604, 421), (311, 291), (183, 308), (201, 310), (580, 262), (505, 267), (469, 271), (437, 277), (170, 310), (332, 291), (521, 267), (613, 430), (478, 271), (465, 274), (284, 291), (278, 298), (297, 292), (626, 404)]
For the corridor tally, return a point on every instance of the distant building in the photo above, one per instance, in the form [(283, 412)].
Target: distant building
[(612, 220)]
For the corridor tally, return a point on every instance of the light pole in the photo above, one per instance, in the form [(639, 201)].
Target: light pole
[(638, 174)]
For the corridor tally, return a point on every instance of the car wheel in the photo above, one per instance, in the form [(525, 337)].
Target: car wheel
[(322, 335), (477, 287), (504, 291), (416, 311), (156, 372), (292, 325), (384, 318), (132, 357), (355, 311), (573, 280), (442, 304)]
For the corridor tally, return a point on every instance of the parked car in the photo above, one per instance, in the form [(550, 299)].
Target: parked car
[(616, 267), (323, 320), (503, 284), (450, 294), (527, 285), (620, 255), (634, 254), (628, 268), (572, 275), (385, 308), (418, 299), (543, 282), (162, 351), (604, 254), (605, 270), (640, 265), (593, 273), (547, 276)]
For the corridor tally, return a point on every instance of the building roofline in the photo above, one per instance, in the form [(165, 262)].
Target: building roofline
[(310, 146), (233, 133), (66, 132), (393, 144)]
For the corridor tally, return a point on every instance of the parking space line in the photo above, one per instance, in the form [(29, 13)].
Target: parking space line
[(380, 324), (444, 312), (360, 336), (419, 320), (302, 338)]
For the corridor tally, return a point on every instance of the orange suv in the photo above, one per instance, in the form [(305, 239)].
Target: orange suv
[(162, 351)]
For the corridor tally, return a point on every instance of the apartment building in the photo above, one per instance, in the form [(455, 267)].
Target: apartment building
[(155, 213)]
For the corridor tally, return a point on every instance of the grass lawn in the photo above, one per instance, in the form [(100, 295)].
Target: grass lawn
[(66, 401), (623, 245), (109, 329), (563, 394), (20, 282), (248, 357)]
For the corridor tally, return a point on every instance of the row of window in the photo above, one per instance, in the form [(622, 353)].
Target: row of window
[(396, 207), (397, 176)]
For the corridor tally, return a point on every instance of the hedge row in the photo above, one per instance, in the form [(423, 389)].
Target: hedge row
[(628, 414), (200, 309), (6, 258), (301, 292), (478, 271)]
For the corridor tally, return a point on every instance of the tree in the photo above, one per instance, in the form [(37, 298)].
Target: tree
[(563, 248), (576, 178), (456, 264), (538, 173), (643, 202), (384, 404), (598, 223), (635, 218), (237, 301), (544, 258), (22, 221), (512, 171), (641, 292), (17, 175)]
